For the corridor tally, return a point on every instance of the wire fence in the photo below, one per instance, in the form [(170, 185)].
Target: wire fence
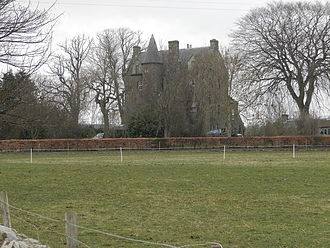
[(182, 148), (122, 153), (72, 239)]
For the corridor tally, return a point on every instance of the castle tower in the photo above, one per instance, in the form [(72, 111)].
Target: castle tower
[(152, 70)]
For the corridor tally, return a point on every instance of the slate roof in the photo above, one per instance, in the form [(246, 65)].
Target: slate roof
[(162, 56), (151, 55), (186, 54)]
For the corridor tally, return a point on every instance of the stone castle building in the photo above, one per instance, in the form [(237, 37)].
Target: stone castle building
[(186, 89)]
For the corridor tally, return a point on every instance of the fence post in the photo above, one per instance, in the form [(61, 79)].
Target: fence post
[(31, 155), (293, 151), (71, 229), (224, 152), (5, 208)]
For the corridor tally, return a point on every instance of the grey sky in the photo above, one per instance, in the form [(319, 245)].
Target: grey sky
[(189, 21)]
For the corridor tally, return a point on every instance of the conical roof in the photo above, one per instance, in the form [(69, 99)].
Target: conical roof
[(151, 55)]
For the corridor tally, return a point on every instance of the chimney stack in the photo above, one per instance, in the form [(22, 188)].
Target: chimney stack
[(136, 50), (214, 44), (173, 51)]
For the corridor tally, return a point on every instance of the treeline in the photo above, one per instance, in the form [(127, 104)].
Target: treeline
[(27, 113), (44, 94), (285, 127), (275, 66)]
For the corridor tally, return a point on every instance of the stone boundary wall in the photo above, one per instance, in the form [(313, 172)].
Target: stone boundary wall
[(142, 143), (10, 239)]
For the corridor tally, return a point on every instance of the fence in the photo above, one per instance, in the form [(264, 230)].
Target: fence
[(222, 149), (71, 227)]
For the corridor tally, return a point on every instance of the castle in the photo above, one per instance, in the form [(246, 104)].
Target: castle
[(187, 89)]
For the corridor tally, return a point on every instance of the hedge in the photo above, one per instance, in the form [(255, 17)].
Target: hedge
[(141, 143)]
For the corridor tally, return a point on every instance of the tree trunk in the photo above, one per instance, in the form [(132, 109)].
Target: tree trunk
[(167, 133), (304, 121), (106, 121), (75, 117), (119, 101)]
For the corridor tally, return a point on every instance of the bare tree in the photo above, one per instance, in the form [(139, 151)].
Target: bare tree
[(104, 73), (25, 35), (69, 87), (127, 40), (234, 63), (286, 49), (108, 64), (210, 83)]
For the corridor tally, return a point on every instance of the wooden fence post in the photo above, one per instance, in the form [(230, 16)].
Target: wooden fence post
[(5, 208), (71, 229)]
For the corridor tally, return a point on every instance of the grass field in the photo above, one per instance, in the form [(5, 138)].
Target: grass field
[(252, 199)]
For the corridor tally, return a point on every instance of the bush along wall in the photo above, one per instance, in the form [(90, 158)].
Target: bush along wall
[(144, 143)]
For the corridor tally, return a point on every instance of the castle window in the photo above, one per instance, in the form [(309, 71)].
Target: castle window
[(191, 63), (139, 85), (136, 69)]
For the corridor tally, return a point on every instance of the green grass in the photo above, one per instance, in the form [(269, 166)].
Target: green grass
[(253, 199)]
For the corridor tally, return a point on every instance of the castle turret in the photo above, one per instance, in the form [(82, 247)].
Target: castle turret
[(152, 67), (151, 56)]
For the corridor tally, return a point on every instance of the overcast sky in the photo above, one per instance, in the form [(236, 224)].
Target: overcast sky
[(192, 22)]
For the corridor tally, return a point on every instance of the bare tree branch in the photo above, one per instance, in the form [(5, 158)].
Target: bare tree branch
[(25, 35), (108, 63), (69, 87), (286, 50)]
